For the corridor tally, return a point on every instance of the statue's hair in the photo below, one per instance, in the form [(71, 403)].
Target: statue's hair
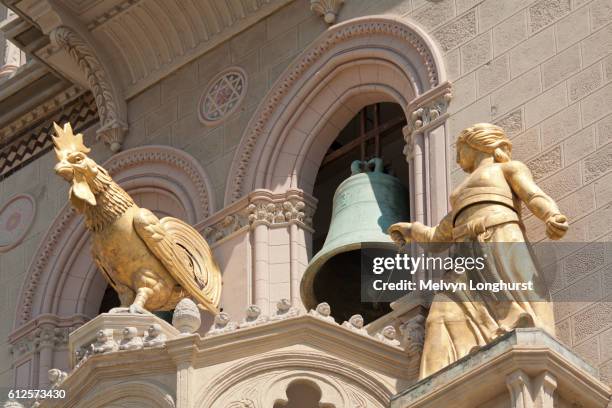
[(488, 138)]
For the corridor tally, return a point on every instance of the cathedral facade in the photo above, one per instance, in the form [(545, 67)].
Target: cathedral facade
[(242, 119)]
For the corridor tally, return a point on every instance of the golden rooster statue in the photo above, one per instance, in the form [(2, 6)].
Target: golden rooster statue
[(151, 263)]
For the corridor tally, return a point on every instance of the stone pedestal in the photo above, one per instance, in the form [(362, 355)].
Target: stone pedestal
[(526, 368), (84, 336)]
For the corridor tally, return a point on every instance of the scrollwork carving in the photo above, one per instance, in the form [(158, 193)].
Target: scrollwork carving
[(112, 119)]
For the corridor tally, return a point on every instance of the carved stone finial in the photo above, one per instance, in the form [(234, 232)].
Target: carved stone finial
[(253, 317), (186, 317), (328, 9), (154, 336), (284, 310), (355, 323), (130, 340), (323, 311), (104, 342), (222, 324)]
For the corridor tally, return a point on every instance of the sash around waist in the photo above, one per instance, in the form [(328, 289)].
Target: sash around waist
[(475, 227), (474, 195)]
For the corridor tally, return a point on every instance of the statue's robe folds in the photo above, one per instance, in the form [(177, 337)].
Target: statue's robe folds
[(459, 321)]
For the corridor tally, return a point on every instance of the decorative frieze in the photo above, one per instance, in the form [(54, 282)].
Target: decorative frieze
[(28, 144)]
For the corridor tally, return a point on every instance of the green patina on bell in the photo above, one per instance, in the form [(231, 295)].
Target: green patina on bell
[(364, 206)]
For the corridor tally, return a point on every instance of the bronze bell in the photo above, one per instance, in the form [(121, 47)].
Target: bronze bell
[(364, 206)]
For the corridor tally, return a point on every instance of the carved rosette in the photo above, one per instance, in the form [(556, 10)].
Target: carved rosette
[(328, 9), (425, 113), (113, 120)]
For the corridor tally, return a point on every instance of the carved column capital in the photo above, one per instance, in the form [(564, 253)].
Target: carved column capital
[(276, 209), (425, 113), (111, 109)]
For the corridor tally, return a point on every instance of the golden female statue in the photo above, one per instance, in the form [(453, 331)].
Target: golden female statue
[(485, 215)]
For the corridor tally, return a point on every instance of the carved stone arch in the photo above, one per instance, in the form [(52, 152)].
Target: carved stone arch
[(136, 393), (62, 267), (355, 63), (262, 380)]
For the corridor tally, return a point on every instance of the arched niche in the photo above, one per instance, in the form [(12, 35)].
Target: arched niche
[(353, 64), (131, 393), (262, 381), (357, 63), (62, 279)]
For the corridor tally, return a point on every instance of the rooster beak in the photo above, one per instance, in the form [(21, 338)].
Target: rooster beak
[(64, 171)]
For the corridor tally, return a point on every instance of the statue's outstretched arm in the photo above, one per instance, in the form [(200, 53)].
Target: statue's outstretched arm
[(538, 202), (404, 232)]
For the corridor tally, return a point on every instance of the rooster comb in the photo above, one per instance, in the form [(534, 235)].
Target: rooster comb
[(66, 140)]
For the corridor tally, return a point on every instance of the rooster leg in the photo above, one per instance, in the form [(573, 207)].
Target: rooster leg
[(142, 294)]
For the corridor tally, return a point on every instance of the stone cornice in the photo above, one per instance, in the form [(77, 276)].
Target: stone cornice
[(308, 330), (529, 350)]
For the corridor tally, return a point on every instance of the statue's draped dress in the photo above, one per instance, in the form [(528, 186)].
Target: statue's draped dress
[(462, 320)]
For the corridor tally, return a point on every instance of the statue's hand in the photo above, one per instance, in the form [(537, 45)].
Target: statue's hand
[(556, 226), (401, 232)]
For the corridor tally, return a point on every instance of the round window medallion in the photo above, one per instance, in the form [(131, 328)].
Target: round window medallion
[(222, 96), (16, 217)]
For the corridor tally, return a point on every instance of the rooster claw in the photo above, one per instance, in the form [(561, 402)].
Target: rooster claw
[(137, 309)]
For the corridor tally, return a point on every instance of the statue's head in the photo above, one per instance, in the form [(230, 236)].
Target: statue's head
[(253, 311), (75, 166), (389, 332), (154, 330), (283, 305), (129, 333), (54, 375), (101, 336), (324, 309), (356, 320), (482, 138), (222, 319)]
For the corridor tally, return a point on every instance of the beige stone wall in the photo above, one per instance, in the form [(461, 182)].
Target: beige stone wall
[(166, 113), (542, 70)]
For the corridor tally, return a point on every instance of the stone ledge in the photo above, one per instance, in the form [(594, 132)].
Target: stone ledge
[(484, 375)]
